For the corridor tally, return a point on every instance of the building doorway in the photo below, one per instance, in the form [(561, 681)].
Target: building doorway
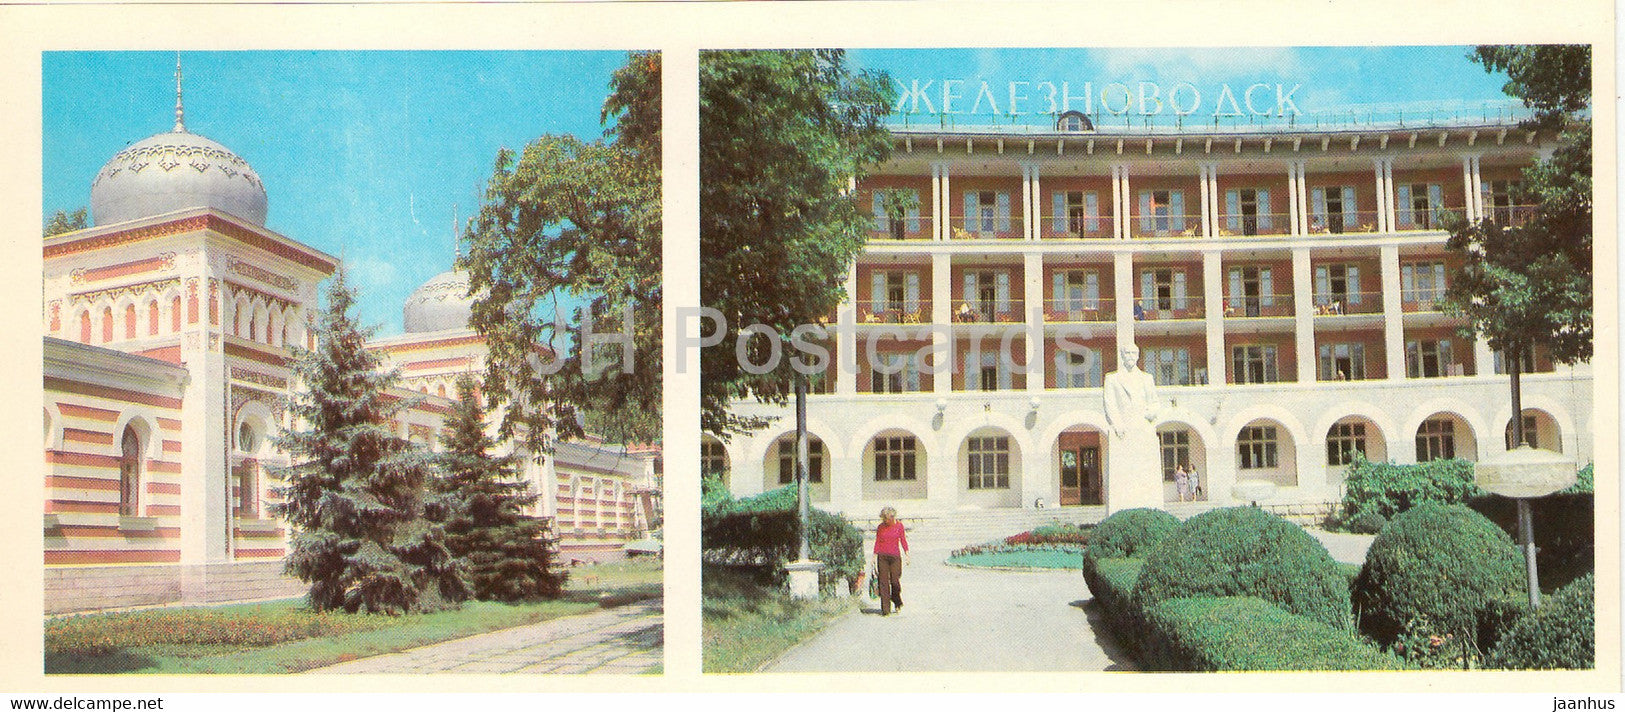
[(1082, 482)]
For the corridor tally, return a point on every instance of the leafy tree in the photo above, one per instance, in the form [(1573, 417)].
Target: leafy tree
[(896, 203), (355, 495), (571, 220), (782, 136), (1528, 282), (63, 221), (507, 553)]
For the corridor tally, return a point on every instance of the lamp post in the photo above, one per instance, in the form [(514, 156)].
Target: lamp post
[(803, 572), (1524, 473)]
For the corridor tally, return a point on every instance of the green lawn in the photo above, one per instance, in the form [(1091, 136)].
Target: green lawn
[(1023, 558), (747, 625), (285, 636)]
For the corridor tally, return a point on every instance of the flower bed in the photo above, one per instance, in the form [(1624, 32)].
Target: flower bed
[(1052, 546)]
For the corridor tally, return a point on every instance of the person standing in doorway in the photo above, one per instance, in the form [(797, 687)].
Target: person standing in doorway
[(1195, 482), (891, 551), (1181, 482)]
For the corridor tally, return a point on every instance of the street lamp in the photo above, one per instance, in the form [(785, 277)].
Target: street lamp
[(1523, 473)]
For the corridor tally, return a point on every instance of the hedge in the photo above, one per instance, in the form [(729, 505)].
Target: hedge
[(1131, 532), (1249, 633), (764, 531), (1387, 489), (1245, 551), (1560, 635), (1436, 571)]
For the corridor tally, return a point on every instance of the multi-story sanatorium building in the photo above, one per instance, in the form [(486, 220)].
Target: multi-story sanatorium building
[(1281, 285), (167, 327)]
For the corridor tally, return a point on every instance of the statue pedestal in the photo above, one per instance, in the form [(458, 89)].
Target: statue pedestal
[(1133, 472), (803, 577)]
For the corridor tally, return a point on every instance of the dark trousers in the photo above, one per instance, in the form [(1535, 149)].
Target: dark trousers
[(890, 571)]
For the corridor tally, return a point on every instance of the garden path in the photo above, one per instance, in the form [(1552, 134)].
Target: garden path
[(625, 640), (967, 619)]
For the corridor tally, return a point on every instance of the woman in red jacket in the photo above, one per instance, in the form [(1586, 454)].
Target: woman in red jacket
[(891, 548)]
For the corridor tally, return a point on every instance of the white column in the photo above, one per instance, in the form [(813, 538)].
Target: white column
[(1117, 203), (1213, 299), (947, 205), (1207, 207), (1379, 185), (1292, 196), (1123, 287), (1484, 359), (1033, 294), (846, 340), (1303, 197), (1393, 315), (1388, 192), (1036, 214), (942, 380), (1128, 205), (1304, 308), (1027, 202), (1213, 199), (936, 201), (942, 466), (1469, 204)]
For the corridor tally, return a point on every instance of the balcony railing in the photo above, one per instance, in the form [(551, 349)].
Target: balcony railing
[(1425, 218), (982, 312), (1062, 311), (984, 228), (1165, 225), (1343, 223), (1168, 309), (1255, 224), (1419, 303), (1258, 307), (1077, 228), (904, 229), (884, 311), (1348, 303), (1509, 215)]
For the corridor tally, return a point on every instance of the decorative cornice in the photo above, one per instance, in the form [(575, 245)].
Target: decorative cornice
[(427, 344), (195, 223), (255, 272), (128, 289), (164, 262), (233, 289), (264, 379)]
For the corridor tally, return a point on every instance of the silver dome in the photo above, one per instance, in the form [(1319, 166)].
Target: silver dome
[(173, 171), (441, 303)]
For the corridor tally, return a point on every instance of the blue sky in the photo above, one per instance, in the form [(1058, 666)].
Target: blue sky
[(363, 154), (1332, 78)]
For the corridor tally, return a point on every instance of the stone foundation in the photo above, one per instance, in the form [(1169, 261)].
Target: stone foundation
[(95, 588)]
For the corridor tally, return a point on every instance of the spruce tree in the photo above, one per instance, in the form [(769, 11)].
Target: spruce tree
[(481, 504), (355, 495)]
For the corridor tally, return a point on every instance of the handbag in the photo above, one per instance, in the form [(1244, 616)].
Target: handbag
[(874, 583)]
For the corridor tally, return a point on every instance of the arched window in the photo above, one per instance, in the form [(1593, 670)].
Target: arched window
[(129, 321), (152, 318), (440, 390), (107, 324), (84, 327), (129, 467), (246, 442), (175, 313)]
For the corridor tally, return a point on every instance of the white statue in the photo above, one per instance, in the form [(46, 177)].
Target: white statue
[(1134, 460)]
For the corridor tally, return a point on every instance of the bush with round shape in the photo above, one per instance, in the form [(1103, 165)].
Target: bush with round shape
[(1367, 522), (1245, 551), (1560, 635), (1130, 533), (1438, 566)]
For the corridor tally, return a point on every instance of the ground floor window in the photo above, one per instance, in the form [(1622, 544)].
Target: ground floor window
[(1256, 447), (1436, 440), (1428, 359), (894, 458), (787, 460), (1176, 451), (713, 459), (1342, 362), (989, 463), (247, 489), (1530, 437), (1344, 441)]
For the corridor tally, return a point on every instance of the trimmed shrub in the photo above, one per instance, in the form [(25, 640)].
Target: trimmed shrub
[(1388, 489), (1367, 522), (1249, 633), (1565, 532), (1111, 584), (1433, 572), (764, 531), (1245, 551), (1130, 533), (1560, 635)]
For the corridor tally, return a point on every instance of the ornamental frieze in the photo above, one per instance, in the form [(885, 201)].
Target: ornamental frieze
[(233, 290), (264, 379), (163, 262), (254, 272), (177, 227), (129, 289), (241, 396)]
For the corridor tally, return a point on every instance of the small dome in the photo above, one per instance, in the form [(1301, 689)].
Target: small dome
[(441, 303), (173, 171)]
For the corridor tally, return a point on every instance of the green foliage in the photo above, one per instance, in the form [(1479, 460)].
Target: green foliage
[(764, 531), (1250, 634), (1130, 533), (1436, 571), (1245, 551), (1059, 533), (747, 621), (567, 219), (896, 203), (1369, 521), (1111, 583), (1560, 635), (103, 634), (1584, 481), (508, 555), (782, 135), (1565, 532), (354, 495), (63, 221), (1388, 489)]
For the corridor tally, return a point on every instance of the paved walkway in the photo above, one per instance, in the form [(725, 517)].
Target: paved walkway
[(624, 640), (1347, 548), (967, 620)]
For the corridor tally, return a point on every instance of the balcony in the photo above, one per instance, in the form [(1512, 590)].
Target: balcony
[(1079, 311), (1346, 304), (1343, 223), (1423, 218), (984, 228), (1188, 308), (1166, 225), (912, 228), (1510, 215), (1260, 307), (1422, 304), (1054, 227), (883, 311), (1255, 224), (985, 312)]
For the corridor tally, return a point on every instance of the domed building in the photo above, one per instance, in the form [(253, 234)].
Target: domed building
[(166, 365)]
